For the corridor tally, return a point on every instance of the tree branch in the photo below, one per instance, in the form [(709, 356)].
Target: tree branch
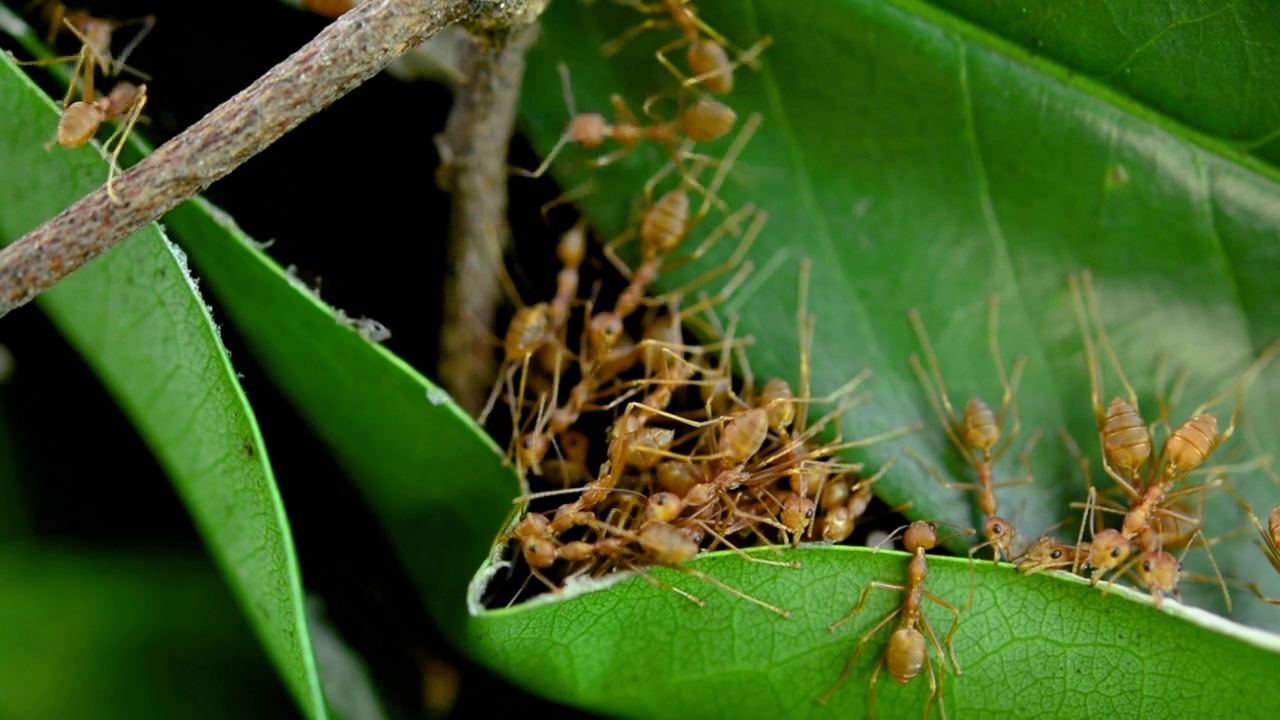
[(345, 54), (473, 166)]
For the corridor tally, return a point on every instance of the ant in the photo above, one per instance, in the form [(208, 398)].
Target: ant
[(537, 327), (907, 650), (1128, 443), (81, 119), (977, 433), (1049, 553), (705, 120), (664, 544), (707, 58), (665, 223), (95, 33)]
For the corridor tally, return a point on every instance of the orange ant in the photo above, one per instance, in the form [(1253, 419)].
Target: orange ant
[(1127, 448), (1159, 571), (537, 327), (977, 434), (845, 503), (1049, 553), (907, 650), (665, 223), (81, 119), (707, 58), (96, 34), (664, 544), (705, 120), (537, 544)]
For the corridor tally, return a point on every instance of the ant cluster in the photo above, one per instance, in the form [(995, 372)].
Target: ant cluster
[(81, 118), (1146, 461), (690, 453), (692, 459), (689, 458)]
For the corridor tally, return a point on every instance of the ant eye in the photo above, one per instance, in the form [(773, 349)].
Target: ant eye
[(1147, 566), (1115, 552), (997, 528), (1055, 554), (1179, 567)]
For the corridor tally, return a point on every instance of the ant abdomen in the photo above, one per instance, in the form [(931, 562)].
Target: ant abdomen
[(905, 654), (1126, 440), (1190, 445)]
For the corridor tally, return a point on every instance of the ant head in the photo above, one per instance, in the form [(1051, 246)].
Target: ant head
[(920, 534), (539, 553), (606, 328), (664, 507), (588, 130), (533, 448), (1159, 571), (997, 527), (797, 512)]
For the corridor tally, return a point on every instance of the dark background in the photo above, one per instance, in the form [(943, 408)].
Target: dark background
[(374, 247)]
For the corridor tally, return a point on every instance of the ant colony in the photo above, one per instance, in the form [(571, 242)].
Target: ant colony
[(642, 438)]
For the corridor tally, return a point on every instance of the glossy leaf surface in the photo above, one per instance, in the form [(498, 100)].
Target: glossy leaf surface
[(136, 317), (923, 162), (1038, 645), (432, 476)]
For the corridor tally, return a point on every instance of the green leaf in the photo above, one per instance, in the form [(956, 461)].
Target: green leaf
[(1039, 645), (434, 479), (136, 317), (88, 633), (1208, 65), (923, 162)]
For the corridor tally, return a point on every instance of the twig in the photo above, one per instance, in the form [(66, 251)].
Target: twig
[(473, 154), (345, 54)]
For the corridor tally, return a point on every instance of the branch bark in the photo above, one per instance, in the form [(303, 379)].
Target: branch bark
[(473, 155), (345, 54)]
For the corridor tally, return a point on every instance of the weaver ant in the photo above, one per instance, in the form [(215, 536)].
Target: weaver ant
[(707, 58), (907, 650), (977, 433), (81, 118)]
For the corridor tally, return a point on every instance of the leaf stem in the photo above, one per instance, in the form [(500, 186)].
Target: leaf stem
[(473, 154)]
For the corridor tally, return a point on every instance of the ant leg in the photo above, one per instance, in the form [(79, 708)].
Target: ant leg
[(567, 88), (853, 659), (734, 261), (613, 47), (148, 22), (139, 102), (955, 624), (970, 487), (862, 601)]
